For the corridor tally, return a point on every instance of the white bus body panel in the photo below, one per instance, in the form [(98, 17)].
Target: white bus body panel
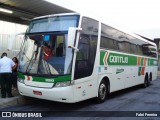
[(60, 94)]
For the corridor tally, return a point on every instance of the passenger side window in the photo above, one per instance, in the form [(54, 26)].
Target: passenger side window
[(106, 41), (114, 39), (123, 42), (149, 50), (124, 46), (133, 48)]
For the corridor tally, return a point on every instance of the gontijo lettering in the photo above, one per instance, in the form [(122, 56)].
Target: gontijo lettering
[(118, 59)]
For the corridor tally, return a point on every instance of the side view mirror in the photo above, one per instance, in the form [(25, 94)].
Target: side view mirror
[(71, 37)]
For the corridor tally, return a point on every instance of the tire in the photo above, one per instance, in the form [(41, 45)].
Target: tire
[(150, 79), (103, 92), (146, 82)]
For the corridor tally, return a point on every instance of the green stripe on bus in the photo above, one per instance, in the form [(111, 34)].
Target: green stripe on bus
[(102, 54), (21, 76), (123, 59), (118, 59), (45, 79)]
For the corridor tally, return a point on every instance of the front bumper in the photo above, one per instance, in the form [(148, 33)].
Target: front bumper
[(60, 94)]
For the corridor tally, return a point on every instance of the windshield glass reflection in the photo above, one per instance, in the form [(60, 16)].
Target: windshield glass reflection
[(45, 54)]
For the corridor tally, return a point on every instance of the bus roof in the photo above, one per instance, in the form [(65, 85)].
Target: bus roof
[(106, 22)]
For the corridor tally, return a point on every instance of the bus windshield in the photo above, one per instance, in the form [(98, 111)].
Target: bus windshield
[(45, 50), (45, 54)]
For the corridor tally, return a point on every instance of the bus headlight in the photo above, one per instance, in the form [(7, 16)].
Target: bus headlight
[(63, 84), (21, 80)]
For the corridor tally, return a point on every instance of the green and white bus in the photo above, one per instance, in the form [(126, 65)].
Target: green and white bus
[(70, 58)]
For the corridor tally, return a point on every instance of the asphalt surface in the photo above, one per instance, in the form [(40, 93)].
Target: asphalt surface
[(121, 105)]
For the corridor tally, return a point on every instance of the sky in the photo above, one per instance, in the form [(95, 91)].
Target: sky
[(134, 15)]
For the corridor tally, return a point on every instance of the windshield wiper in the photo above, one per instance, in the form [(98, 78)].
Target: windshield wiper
[(43, 63), (30, 64), (32, 61)]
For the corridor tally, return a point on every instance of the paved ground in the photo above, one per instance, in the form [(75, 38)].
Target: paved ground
[(133, 99), (17, 99)]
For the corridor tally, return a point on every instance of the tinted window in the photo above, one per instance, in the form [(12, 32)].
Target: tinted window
[(106, 41), (123, 42), (139, 50), (124, 46), (116, 40), (133, 48), (149, 50)]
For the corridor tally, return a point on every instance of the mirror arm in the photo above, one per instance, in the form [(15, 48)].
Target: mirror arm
[(79, 29), (76, 49), (71, 35)]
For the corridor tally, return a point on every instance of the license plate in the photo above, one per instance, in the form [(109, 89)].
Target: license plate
[(37, 92)]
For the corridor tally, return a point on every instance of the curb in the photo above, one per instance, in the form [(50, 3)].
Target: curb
[(16, 100), (7, 102)]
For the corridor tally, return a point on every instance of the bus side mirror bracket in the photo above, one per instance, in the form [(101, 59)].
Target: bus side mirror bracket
[(71, 37), (76, 49)]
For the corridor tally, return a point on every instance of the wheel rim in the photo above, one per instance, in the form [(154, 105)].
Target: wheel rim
[(102, 91)]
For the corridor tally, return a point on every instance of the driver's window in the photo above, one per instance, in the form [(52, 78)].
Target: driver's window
[(87, 46)]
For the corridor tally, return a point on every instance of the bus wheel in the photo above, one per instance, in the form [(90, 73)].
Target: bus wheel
[(146, 81), (150, 79), (102, 92)]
